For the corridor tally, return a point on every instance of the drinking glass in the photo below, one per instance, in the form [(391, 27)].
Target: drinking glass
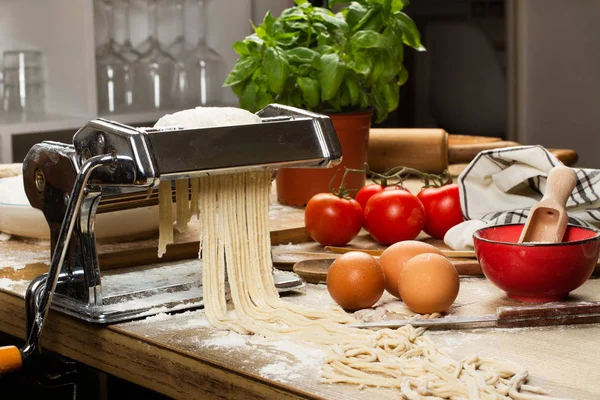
[(110, 67), (180, 49), (130, 54), (154, 70), (23, 82), (205, 68)]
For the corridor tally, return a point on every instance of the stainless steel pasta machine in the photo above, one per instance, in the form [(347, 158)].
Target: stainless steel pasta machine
[(112, 166)]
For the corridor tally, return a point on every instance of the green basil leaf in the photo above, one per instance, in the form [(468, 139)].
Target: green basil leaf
[(254, 39), (368, 40), (297, 100), (366, 17), (264, 98), (344, 98), (353, 89), (243, 68), (241, 48), (331, 75), (292, 14), (379, 102), (328, 18), (238, 88), (276, 68), (310, 90), (261, 32), (393, 35), (355, 13), (375, 23), (372, 20), (318, 27), (411, 36), (361, 63), (398, 5), (402, 76), (269, 24), (391, 92), (324, 49), (305, 5), (336, 102), (301, 55), (287, 39), (305, 70), (376, 71), (363, 100), (390, 69), (248, 99), (297, 25), (324, 39)]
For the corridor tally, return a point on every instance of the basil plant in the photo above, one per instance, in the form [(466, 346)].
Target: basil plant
[(318, 60)]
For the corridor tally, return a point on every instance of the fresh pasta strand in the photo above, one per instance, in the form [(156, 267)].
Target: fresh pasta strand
[(235, 250), (182, 204), (165, 212)]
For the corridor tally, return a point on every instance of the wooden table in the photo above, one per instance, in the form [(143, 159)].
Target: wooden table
[(182, 356)]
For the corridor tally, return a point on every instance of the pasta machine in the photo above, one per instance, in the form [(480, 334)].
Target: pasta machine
[(113, 166)]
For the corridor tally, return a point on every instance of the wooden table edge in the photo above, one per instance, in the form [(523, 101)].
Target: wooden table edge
[(110, 349)]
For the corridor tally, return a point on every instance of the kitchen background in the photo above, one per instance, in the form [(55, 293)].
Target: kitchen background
[(525, 70)]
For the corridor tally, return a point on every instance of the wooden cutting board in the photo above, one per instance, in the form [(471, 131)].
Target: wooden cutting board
[(315, 270), (298, 258)]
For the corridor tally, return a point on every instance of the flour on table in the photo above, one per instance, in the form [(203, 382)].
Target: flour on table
[(9, 284)]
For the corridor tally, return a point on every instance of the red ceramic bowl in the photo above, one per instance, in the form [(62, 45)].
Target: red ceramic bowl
[(536, 272)]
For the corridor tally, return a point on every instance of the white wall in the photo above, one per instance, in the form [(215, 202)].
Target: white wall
[(558, 75)]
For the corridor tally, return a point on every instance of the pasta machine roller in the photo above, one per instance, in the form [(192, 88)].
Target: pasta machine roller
[(113, 166)]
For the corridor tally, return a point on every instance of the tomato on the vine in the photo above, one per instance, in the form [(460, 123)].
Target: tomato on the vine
[(442, 206), (394, 215), (365, 193), (332, 220)]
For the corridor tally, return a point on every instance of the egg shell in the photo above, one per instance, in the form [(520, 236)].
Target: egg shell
[(428, 283), (394, 258), (355, 281)]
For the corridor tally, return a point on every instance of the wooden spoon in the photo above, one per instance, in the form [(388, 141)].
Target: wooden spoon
[(548, 219)]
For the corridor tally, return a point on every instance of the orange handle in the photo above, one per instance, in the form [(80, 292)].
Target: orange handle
[(10, 359)]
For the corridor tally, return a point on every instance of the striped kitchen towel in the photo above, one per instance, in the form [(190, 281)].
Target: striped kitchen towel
[(500, 186)]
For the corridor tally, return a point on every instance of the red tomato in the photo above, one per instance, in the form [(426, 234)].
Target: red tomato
[(394, 215), (365, 193), (442, 206), (331, 220)]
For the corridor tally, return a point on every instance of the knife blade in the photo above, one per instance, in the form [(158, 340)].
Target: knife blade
[(506, 317)]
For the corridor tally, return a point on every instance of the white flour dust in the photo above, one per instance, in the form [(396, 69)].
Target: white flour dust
[(290, 361), (20, 259), (9, 284)]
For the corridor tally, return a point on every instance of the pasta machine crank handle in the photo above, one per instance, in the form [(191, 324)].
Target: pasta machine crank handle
[(9, 359)]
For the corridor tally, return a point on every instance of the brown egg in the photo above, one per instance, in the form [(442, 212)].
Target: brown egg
[(355, 281), (428, 283), (394, 258)]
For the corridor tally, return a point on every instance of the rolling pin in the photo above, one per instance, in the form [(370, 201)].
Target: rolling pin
[(433, 150), (428, 150), (422, 149)]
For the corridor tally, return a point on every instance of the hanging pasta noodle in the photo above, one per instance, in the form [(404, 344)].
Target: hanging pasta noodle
[(235, 243), (165, 213), (182, 204)]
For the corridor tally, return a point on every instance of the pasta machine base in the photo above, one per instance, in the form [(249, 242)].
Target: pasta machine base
[(138, 292)]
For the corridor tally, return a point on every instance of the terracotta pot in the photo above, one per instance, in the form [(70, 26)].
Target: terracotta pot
[(295, 186)]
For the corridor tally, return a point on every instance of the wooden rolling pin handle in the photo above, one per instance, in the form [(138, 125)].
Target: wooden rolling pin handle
[(548, 314), (10, 359)]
